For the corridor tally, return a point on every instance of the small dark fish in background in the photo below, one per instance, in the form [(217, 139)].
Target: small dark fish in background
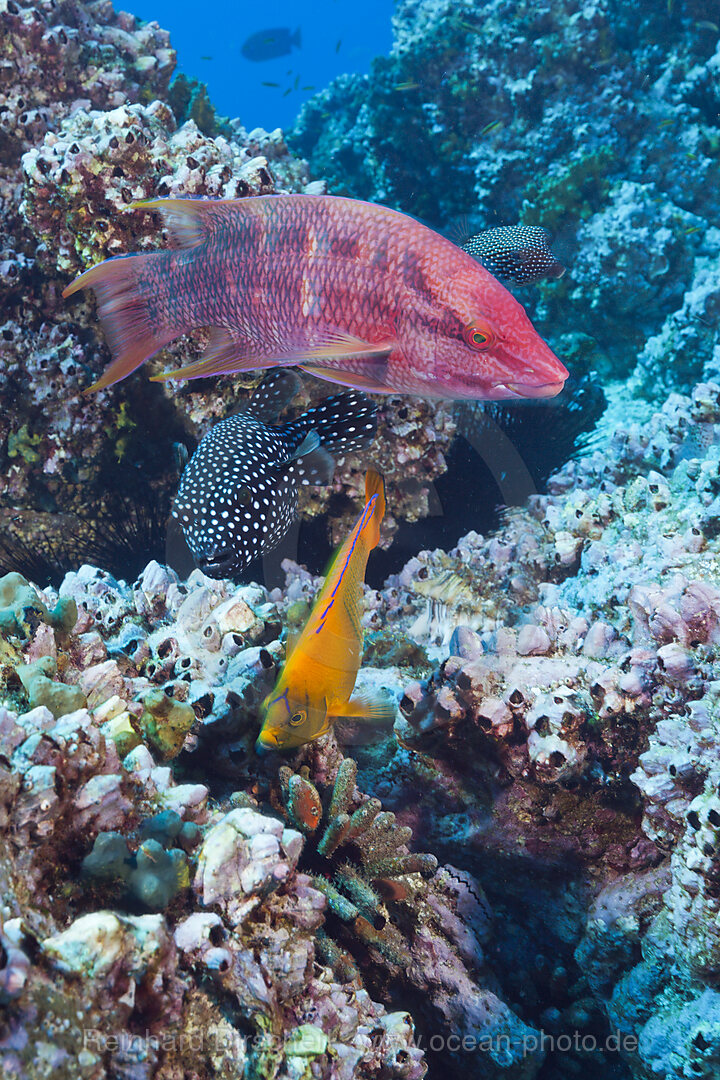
[(520, 252), (238, 495), (271, 44)]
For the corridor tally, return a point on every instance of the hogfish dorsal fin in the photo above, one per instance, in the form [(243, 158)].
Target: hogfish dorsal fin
[(191, 221)]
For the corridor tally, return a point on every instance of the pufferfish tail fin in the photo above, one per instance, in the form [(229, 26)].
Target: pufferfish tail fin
[(374, 506), (132, 333)]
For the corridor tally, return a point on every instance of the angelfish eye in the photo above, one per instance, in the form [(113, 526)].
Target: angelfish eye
[(479, 335), (297, 718)]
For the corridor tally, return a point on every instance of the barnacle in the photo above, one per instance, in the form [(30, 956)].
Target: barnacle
[(358, 857)]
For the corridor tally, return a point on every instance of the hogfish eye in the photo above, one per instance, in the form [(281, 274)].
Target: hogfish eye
[(479, 334), (297, 718)]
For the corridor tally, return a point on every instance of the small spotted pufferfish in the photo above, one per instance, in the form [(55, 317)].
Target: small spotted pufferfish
[(239, 491)]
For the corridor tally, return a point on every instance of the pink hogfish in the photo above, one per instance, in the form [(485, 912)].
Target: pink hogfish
[(352, 292)]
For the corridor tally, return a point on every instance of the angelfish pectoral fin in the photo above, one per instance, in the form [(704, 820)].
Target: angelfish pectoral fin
[(378, 710), (291, 639)]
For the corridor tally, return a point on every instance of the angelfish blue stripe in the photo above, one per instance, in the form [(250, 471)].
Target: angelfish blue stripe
[(281, 697), (367, 513)]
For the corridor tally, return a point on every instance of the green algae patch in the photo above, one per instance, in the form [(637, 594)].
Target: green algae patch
[(38, 680), (22, 444), (306, 1041), (573, 192), (165, 723), (122, 733), (22, 610)]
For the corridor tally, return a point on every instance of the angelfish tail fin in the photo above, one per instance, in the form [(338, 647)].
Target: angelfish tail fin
[(133, 333), (375, 494)]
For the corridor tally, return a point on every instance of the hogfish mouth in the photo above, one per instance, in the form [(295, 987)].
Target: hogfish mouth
[(504, 391)]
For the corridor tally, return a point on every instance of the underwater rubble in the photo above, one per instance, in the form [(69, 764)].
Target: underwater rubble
[(179, 932)]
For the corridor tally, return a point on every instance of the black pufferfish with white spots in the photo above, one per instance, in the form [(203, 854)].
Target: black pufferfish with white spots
[(238, 494), (520, 252)]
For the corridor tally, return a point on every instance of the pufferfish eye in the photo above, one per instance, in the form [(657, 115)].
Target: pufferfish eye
[(297, 718), (479, 334)]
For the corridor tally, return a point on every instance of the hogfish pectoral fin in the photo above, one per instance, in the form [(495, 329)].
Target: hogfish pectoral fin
[(228, 351), (224, 354), (332, 344), (366, 707)]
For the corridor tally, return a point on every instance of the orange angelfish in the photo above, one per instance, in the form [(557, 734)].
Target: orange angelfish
[(320, 671)]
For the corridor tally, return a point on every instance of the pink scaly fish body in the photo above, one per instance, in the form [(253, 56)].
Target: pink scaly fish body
[(352, 292)]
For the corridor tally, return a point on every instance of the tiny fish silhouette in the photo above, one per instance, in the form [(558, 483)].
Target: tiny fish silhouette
[(320, 671), (520, 252), (352, 292), (238, 494), (271, 44)]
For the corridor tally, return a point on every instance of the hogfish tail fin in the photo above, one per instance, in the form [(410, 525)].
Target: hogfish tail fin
[(132, 332), (374, 489)]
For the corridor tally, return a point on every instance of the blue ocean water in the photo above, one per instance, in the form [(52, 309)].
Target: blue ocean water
[(337, 37)]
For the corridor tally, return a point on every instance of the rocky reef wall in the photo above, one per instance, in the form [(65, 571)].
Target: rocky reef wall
[(519, 879)]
